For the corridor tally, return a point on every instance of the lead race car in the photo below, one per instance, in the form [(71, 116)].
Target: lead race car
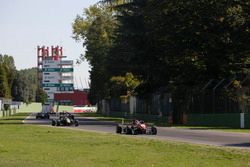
[(136, 127), (65, 119)]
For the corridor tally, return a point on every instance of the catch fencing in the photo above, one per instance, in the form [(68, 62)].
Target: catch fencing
[(215, 104)]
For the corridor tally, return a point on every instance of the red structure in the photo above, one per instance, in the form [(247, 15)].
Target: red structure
[(76, 98), (43, 54)]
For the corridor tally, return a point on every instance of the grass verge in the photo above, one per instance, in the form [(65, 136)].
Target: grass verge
[(30, 145)]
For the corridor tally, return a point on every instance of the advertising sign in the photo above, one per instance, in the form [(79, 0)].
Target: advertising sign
[(58, 70), (51, 64), (66, 62), (57, 85)]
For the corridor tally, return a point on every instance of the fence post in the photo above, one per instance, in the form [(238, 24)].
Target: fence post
[(216, 86), (170, 111), (242, 120)]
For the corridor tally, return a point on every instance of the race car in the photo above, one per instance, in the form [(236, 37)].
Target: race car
[(42, 115), (136, 127), (65, 119)]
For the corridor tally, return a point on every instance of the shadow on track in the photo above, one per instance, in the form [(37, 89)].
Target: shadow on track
[(246, 145)]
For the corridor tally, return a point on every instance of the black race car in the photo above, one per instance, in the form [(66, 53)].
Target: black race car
[(136, 127), (65, 119), (42, 115)]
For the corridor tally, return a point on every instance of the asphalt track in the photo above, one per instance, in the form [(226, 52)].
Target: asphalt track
[(194, 136)]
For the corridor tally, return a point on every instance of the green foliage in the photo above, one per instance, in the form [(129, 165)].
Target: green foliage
[(25, 85), (162, 41), (4, 87), (95, 28), (7, 75), (41, 95), (124, 85), (180, 41), (19, 85)]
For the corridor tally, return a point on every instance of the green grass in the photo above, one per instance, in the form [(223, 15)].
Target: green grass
[(30, 145)]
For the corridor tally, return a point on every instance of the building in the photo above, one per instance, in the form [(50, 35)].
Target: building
[(77, 98)]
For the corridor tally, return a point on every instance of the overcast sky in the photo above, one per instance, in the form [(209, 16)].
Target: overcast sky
[(25, 24)]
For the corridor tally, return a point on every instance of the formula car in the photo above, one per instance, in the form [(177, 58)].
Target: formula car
[(42, 115), (65, 119), (136, 127)]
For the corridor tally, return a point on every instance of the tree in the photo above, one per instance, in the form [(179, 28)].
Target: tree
[(9, 64), (124, 85), (8, 71), (163, 41), (4, 87), (95, 28), (25, 85), (41, 96)]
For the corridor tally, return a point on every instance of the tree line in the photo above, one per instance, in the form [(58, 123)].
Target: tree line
[(18, 85), (177, 46)]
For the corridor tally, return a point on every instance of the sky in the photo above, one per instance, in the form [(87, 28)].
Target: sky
[(25, 24)]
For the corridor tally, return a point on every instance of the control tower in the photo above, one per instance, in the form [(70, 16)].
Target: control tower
[(55, 75)]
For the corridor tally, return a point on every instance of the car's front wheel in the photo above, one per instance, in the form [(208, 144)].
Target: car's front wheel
[(53, 123), (76, 123), (154, 130)]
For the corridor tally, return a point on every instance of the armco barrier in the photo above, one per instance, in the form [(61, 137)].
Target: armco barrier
[(216, 120)]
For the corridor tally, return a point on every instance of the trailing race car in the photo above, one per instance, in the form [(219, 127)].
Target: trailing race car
[(136, 127), (42, 115), (65, 119)]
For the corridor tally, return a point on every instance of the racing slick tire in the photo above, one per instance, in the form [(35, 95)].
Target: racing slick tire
[(53, 122), (118, 129), (57, 123), (153, 131), (76, 123)]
